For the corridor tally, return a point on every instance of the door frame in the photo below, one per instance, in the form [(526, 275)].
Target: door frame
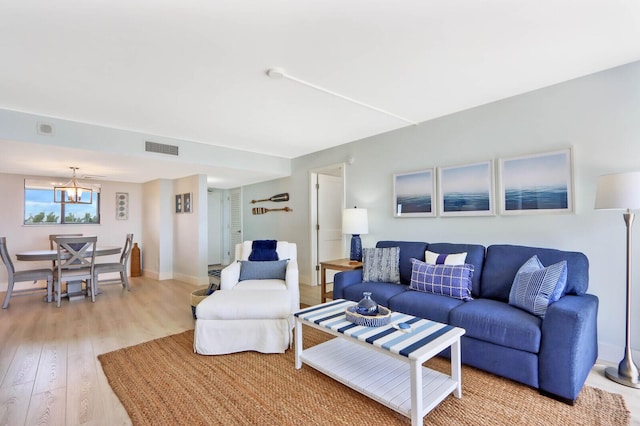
[(333, 170)]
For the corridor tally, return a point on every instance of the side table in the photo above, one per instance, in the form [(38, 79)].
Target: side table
[(336, 265)]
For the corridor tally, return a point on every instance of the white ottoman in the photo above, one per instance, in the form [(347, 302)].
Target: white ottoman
[(243, 320)]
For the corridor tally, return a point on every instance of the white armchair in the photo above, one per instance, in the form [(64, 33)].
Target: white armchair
[(253, 313), (230, 276)]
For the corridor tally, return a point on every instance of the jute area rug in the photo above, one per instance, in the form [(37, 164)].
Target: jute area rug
[(162, 382)]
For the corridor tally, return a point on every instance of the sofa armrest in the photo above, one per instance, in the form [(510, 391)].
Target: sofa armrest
[(230, 276), (345, 279), (569, 346)]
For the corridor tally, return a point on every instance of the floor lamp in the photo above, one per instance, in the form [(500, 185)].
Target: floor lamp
[(621, 191)]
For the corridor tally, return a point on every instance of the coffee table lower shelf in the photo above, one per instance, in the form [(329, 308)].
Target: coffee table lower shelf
[(381, 377)]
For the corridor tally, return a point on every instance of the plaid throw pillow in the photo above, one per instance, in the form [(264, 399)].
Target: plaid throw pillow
[(445, 280)]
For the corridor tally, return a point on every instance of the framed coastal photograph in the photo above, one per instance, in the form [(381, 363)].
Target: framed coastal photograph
[(466, 190), (414, 194), (538, 183)]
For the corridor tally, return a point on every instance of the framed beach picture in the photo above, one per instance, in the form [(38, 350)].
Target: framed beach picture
[(539, 183), (413, 194), (466, 190)]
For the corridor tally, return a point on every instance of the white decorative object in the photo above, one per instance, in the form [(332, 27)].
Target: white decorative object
[(122, 206)]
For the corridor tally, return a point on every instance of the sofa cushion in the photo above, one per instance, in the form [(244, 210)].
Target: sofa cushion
[(445, 280), (381, 265), (498, 323), (445, 259), (424, 305), (475, 257), (263, 270), (408, 250), (535, 287), (380, 292), (503, 261)]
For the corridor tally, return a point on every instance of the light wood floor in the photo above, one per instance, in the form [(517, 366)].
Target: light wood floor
[(49, 371)]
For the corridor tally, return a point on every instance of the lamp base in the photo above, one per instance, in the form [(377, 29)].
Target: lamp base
[(612, 374), (356, 248)]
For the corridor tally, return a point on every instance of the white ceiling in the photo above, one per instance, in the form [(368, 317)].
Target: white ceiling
[(194, 70)]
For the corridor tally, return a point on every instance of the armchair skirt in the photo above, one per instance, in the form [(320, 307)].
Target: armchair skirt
[(243, 320)]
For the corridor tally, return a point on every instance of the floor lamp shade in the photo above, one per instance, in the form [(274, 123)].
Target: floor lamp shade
[(355, 222), (621, 191)]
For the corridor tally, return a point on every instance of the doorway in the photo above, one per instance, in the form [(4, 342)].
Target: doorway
[(215, 228), (327, 202)]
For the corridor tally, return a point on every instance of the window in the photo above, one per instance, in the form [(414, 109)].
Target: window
[(39, 208)]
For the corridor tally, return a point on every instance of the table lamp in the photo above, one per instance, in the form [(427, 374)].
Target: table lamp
[(355, 222), (621, 191)]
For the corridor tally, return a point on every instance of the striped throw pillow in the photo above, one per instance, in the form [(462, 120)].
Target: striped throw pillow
[(536, 287)]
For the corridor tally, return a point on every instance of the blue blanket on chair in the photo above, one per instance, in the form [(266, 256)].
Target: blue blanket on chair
[(263, 250)]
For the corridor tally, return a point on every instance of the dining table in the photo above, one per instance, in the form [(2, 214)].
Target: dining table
[(39, 255), (74, 289)]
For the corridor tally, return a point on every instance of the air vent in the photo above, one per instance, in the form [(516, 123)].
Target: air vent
[(161, 148), (45, 128)]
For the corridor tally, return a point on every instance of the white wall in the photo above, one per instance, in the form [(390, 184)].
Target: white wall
[(33, 237), (190, 239), (597, 115)]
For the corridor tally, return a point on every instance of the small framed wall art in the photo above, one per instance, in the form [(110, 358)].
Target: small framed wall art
[(186, 202), (538, 183), (179, 203), (466, 190), (414, 194), (122, 205)]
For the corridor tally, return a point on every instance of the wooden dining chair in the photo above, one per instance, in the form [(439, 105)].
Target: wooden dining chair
[(121, 267), (75, 262), (22, 276), (52, 244)]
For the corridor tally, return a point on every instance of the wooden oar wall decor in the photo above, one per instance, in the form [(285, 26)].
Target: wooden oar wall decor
[(263, 210), (277, 198)]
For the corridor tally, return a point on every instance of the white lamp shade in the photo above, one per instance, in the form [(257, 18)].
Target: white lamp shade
[(355, 221), (620, 191)]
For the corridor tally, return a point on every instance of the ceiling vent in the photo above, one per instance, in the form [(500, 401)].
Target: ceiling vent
[(160, 148)]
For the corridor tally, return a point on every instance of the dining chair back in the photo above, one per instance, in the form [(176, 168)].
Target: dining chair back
[(121, 267), (75, 262), (52, 244), (22, 276)]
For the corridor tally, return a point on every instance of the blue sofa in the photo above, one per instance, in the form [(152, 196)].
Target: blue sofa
[(553, 355)]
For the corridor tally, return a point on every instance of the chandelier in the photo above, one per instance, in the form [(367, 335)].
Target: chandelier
[(72, 192)]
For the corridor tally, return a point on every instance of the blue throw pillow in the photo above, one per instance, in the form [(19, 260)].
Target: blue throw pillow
[(263, 250), (263, 270), (536, 287), (445, 280), (381, 265)]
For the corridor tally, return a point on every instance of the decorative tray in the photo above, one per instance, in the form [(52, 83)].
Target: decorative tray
[(383, 317)]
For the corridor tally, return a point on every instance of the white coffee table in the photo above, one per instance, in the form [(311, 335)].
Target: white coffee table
[(383, 363)]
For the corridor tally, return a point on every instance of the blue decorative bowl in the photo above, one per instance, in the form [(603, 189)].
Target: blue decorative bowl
[(383, 317)]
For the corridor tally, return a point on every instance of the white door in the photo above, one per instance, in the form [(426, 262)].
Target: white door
[(214, 198), (235, 222), (329, 230)]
